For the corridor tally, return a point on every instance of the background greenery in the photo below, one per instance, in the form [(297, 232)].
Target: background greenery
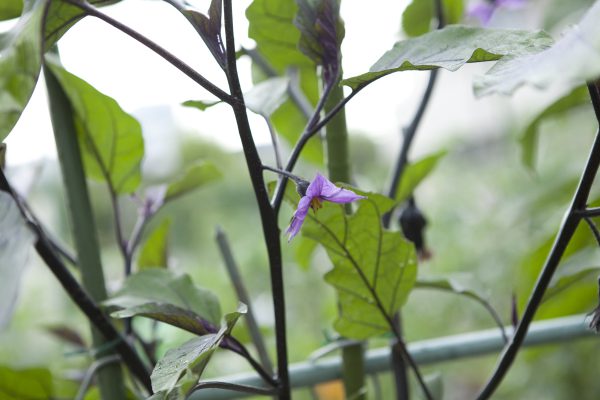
[(490, 220)]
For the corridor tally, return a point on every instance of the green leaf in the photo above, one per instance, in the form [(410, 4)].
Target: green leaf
[(374, 269), (21, 51), (110, 139), (572, 60), (10, 9), (454, 285), (193, 355), (417, 16), (267, 96), (415, 173), (450, 285), (529, 138), (20, 63), (271, 26), (63, 16), (264, 98), (195, 177), (167, 313), (201, 105), (305, 248), (155, 285), (451, 48), (154, 251), (30, 384), (530, 266), (16, 240), (566, 281)]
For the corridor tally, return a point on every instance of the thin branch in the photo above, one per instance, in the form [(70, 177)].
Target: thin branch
[(91, 372), (231, 386), (593, 228), (82, 299), (275, 143), (28, 213), (567, 229), (240, 349), (489, 308), (308, 133), (409, 135), (169, 57), (243, 296), (590, 212)]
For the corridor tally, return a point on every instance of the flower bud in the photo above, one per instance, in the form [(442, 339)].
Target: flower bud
[(301, 186), (413, 223)]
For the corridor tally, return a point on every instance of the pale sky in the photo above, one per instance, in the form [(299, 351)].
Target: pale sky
[(137, 78)]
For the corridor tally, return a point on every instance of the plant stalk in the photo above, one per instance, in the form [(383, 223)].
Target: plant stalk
[(267, 215), (338, 168), (110, 378)]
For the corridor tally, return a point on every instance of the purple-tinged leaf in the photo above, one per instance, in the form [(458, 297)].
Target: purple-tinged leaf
[(209, 28)]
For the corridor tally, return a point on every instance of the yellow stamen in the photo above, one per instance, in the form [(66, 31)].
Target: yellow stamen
[(315, 204)]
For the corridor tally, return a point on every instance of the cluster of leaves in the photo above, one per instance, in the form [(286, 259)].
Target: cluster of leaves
[(374, 269)]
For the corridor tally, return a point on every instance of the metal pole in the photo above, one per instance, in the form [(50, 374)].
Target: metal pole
[(431, 351)]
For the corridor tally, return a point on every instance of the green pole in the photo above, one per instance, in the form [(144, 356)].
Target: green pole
[(338, 166), (110, 377)]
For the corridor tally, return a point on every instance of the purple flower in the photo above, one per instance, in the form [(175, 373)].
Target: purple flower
[(319, 190), (483, 10)]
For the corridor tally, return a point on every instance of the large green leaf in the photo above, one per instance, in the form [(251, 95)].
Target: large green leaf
[(62, 16), (417, 16), (568, 279), (10, 9), (194, 177), (374, 269), (530, 267), (154, 251), (192, 355), (15, 241), (110, 139), (271, 26), (157, 285), (20, 63), (21, 50), (267, 96), (572, 60), (414, 174), (451, 48), (30, 384), (529, 138)]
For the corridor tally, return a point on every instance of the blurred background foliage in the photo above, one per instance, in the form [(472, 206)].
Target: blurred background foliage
[(491, 222)]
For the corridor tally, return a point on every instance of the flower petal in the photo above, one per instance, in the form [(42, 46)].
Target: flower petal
[(343, 196), (298, 218), (316, 186), (482, 11)]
